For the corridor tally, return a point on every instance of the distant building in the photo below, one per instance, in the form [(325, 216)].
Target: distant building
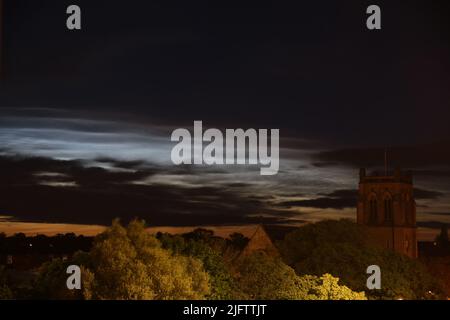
[(387, 207)]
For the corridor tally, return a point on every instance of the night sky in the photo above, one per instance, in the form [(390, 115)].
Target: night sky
[(86, 116)]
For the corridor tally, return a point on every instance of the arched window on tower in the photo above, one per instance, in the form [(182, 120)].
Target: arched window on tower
[(373, 209), (388, 209)]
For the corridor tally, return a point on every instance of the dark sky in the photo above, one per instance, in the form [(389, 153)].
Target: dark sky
[(338, 92), (313, 68)]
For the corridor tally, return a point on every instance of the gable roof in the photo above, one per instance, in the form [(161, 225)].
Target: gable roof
[(260, 241)]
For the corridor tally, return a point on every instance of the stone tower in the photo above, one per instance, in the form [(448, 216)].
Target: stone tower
[(386, 206)]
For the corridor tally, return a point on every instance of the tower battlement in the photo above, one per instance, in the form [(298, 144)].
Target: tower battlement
[(396, 175)]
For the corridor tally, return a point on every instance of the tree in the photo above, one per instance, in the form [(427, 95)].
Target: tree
[(5, 292), (340, 248), (440, 267), (238, 240), (326, 287), (442, 239), (264, 277), (221, 282), (129, 263), (51, 280), (125, 264)]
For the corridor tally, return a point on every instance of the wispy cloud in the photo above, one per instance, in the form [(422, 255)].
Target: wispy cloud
[(94, 168)]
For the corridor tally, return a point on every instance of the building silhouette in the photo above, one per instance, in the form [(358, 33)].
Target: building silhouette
[(386, 206), (260, 241)]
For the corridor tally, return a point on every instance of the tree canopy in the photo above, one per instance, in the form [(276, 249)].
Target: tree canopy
[(221, 282), (127, 263), (264, 277), (340, 248)]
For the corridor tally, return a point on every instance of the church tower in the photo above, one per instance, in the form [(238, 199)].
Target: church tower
[(386, 206)]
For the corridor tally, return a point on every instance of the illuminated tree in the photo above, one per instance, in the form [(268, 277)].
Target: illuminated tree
[(221, 283), (263, 277), (125, 264), (327, 287), (128, 263)]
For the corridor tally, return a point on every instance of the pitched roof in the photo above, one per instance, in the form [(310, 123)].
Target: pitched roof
[(260, 241)]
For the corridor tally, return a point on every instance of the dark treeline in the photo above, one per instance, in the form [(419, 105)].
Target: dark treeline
[(67, 243)]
